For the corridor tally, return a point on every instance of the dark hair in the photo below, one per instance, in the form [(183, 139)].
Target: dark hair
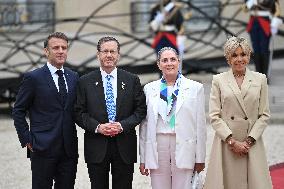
[(164, 49), (59, 35), (107, 39)]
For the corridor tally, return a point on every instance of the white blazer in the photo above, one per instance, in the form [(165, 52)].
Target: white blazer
[(190, 127)]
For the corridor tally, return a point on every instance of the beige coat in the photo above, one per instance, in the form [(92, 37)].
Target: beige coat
[(241, 113)]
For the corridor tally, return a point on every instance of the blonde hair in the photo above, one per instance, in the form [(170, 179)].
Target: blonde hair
[(233, 43)]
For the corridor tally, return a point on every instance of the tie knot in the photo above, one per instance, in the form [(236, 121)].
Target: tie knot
[(59, 73), (108, 77)]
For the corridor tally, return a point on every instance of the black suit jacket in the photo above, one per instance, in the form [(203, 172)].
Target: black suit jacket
[(90, 110), (49, 120)]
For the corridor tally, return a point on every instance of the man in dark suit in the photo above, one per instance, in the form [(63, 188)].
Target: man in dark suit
[(110, 103), (47, 94)]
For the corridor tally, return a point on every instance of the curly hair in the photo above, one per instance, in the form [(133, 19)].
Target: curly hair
[(233, 43)]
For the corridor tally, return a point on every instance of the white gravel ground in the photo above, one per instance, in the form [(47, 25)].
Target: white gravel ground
[(15, 167)]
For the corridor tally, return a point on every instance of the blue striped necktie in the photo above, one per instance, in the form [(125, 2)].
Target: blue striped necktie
[(110, 104)]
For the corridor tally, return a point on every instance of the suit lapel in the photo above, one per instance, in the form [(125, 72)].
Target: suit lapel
[(121, 88), (96, 84), (237, 92), (246, 83), (70, 86), (181, 95), (50, 82), (154, 97), (155, 94)]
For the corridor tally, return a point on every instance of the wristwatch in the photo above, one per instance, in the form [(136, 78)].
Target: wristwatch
[(230, 142), (250, 141)]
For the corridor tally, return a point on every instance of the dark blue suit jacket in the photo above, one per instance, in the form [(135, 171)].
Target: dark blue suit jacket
[(50, 122)]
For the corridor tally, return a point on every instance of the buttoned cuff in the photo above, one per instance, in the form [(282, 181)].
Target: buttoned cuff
[(96, 131)]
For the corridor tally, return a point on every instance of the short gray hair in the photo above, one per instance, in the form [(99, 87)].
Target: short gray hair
[(165, 49), (233, 43)]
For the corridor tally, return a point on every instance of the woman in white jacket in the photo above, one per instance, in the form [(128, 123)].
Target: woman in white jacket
[(173, 135)]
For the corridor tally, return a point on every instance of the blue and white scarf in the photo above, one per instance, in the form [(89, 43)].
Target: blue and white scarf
[(167, 105)]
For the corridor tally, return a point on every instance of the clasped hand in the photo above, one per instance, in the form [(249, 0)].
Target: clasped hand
[(240, 148), (110, 129), (29, 146)]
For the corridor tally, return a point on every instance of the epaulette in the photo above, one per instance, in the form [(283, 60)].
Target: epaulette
[(179, 5)]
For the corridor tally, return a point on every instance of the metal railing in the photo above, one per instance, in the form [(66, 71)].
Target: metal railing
[(203, 49)]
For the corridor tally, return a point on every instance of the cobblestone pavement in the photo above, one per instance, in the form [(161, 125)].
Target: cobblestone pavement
[(15, 167)]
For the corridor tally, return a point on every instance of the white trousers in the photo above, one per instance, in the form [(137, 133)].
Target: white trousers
[(168, 176)]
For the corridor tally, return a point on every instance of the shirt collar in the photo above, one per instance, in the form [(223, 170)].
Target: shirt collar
[(113, 73), (53, 69)]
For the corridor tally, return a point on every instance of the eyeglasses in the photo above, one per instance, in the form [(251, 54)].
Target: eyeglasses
[(112, 52)]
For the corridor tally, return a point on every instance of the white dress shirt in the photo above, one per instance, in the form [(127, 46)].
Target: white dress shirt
[(54, 75), (114, 86), (113, 82)]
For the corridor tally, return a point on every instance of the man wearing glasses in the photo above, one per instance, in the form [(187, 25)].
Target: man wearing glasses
[(110, 103)]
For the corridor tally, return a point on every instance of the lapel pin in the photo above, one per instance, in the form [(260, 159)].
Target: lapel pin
[(97, 83), (122, 85)]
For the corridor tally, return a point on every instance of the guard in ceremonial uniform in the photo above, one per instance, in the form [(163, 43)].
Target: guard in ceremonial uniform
[(167, 23), (264, 22)]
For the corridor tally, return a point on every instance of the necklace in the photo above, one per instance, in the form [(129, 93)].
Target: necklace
[(238, 75)]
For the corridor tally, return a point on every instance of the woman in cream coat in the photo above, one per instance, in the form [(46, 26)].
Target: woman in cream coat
[(173, 135), (238, 111)]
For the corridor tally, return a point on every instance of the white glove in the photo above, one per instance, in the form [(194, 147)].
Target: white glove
[(169, 6), (181, 43), (276, 22), (273, 30), (250, 3), (274, 25), (155, 24), (159, 17)]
